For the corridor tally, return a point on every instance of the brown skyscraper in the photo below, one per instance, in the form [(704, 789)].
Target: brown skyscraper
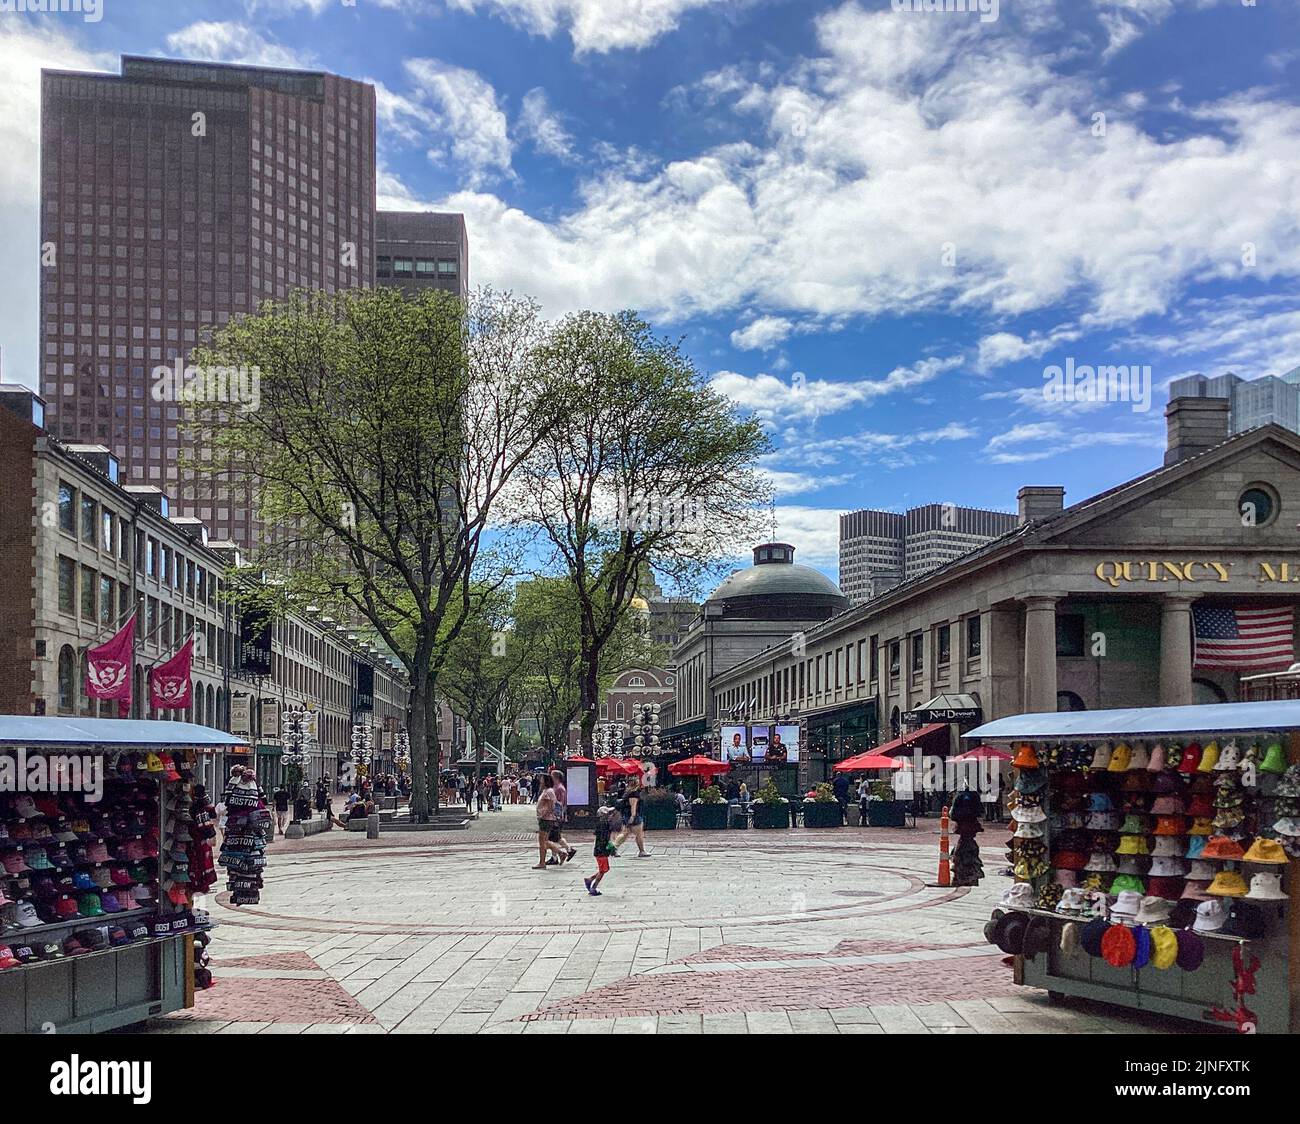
[(176, 196), (417, 250)]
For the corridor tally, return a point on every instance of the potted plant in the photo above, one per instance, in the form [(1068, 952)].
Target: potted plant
[(659, 807), (771, 809), (821, 809), (709, 812), (882, 809)]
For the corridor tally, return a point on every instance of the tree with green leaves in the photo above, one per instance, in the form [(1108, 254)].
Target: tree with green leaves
[(646, 466), (387, 433)]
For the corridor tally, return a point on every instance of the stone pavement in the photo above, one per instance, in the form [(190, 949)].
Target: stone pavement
[(755, 931)]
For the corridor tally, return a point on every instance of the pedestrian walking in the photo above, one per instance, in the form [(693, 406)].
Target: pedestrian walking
[(562, 815), (633, 815), (546, 826), (281, 799), (604, 850)]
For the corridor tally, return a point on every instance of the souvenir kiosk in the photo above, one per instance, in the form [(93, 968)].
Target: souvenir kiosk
[(96, 929), (1154, 853)]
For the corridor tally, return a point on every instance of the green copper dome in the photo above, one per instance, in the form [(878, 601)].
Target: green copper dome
[(775, 587)]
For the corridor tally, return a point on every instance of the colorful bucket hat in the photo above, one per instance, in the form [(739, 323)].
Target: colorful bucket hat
[(1201, 825), (1190, 759), (1103, 821), (1124, 882), (1025, 757), (1030, 814), (1169, 825), (1126, 906), (1168, 868), (1100, 757), (1118, 946), (153, 763), (1134, 824), (1266, 886), (1100, 860), (1065, 877), (1133, 845), (1274, 759), (1211, 916), (1168, 847), (1067, 862), (1191, 950), (1130, 864), (1200, 805), (1100, 802), (1142, 946), (1157, 762), (1202, 870), (1171, 888), (1195, 846), (1229, 758), (1223, 849), (1164, 947), (1168, 805), (1120, 757), (1265, 851), (1139, 758), (1209, 758), (1228, 884)]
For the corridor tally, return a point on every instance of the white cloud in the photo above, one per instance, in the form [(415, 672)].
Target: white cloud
[(1000, 348), (464, 108), (813, 531), (26, 47), (594, 25), (800, 398), (543, 126), (974, 141), (1037, 441), (799, 483), (762, 334), (233, 42)]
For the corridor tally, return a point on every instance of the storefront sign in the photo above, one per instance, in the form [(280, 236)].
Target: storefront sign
[(1118, 572), (271, 718), (255, 642), (946, 714)]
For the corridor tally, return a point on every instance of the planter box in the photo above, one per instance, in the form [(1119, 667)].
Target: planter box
[(771, 815), (660, 817), (821, 815), (709, 817), (886, 813)]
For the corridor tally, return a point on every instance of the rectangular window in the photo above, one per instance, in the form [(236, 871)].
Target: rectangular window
[(972, 637), (402, 267), (105, 600), (67, 508), (106, 531), (918, 653), (944, 645), (862, 662), (818, 687), (67, 585), (150, 557), (1069, 634), (801, 681), (89, 519), (446, 268), (875, 659), (165, 566), (89, 587), (895, 655), (425, 268)]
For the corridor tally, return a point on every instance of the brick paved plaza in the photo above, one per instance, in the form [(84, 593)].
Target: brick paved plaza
[(806, 931)]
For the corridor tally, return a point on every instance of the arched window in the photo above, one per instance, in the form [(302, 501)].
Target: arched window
[(636, 681), (211, 713), (1068, 700), (67, 679), (895, 723), (620, 710)]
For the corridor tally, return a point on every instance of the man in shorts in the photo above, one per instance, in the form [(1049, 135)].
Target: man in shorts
[(562, 810)]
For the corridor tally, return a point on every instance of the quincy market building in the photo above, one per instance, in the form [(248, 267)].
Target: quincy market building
[(1083, 607)]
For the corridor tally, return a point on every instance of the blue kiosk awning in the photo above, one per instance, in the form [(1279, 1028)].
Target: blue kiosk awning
[(1150, 721), (111, 733)]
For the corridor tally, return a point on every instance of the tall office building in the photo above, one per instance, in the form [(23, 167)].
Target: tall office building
[(417, 250), (175, 196), (880, 549), (1273, 399)]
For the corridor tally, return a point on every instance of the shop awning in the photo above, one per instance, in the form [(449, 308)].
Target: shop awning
[(983, 753), (22, 729), (1212, 718), (864, 762), (907, 740)]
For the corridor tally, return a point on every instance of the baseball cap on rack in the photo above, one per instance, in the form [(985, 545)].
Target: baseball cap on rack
[(25, 916), (110, 903), (25, 808), (14, 863), (89, 905), (7, 958), (170, 772), (37, 859), (65, 907)]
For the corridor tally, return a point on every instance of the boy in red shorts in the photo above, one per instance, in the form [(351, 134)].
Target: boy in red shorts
[(606, 823)]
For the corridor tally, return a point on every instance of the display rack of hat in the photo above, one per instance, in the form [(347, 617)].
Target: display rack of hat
[(967, 867), (243, 845), (81, 876), (1193, 803)]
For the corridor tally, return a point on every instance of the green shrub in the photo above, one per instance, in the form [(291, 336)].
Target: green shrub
[(711, 795), (823, 794), (769, 794)]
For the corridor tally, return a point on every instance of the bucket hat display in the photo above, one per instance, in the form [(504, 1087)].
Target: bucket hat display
[(1119, 758), (1133, 824), (1100, 757), (1030, 813), (1131, 864), (1195, 846), (1124, 882), (1102, 861), (1209, 758), (1169, 825), (1274, 759), (1163, 887), (1018, 896), (1190, 759), (1133, 845), (1164, 867), (1266, 887), (1157, 762), (1201, 826), (1118, 946), (1092, 934), (1168, 847), (1126, 907), (1229, 758), (1191, 950), (1168, 805), (1100, 802), (1067, 862), (1139, 758)]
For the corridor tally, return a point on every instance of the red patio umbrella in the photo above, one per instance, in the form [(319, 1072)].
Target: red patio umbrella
[(864, 761), (983, 753), (698, 766)]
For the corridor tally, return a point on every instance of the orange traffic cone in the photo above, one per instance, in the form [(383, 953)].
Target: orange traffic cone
[(945, 870)]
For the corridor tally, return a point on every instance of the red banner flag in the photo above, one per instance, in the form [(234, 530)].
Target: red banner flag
[(108, 668), (169, 683)]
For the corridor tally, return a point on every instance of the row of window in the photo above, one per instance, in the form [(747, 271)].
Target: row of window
[(425, 268)]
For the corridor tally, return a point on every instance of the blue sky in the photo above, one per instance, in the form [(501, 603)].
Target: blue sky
[(878, 228)]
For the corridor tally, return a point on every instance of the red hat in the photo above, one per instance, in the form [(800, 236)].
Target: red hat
[(1191, 759), (1070, 860), (1202, 804), (1118, 946), (1171, 888), (1025, 757)]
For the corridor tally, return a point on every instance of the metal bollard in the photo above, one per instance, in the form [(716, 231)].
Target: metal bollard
[(372, 826)]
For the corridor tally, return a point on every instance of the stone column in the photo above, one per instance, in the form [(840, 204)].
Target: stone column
[(1176, 650), (1040, 654)]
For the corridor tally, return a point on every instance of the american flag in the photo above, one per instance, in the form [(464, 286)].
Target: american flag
[(1243, 639)]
